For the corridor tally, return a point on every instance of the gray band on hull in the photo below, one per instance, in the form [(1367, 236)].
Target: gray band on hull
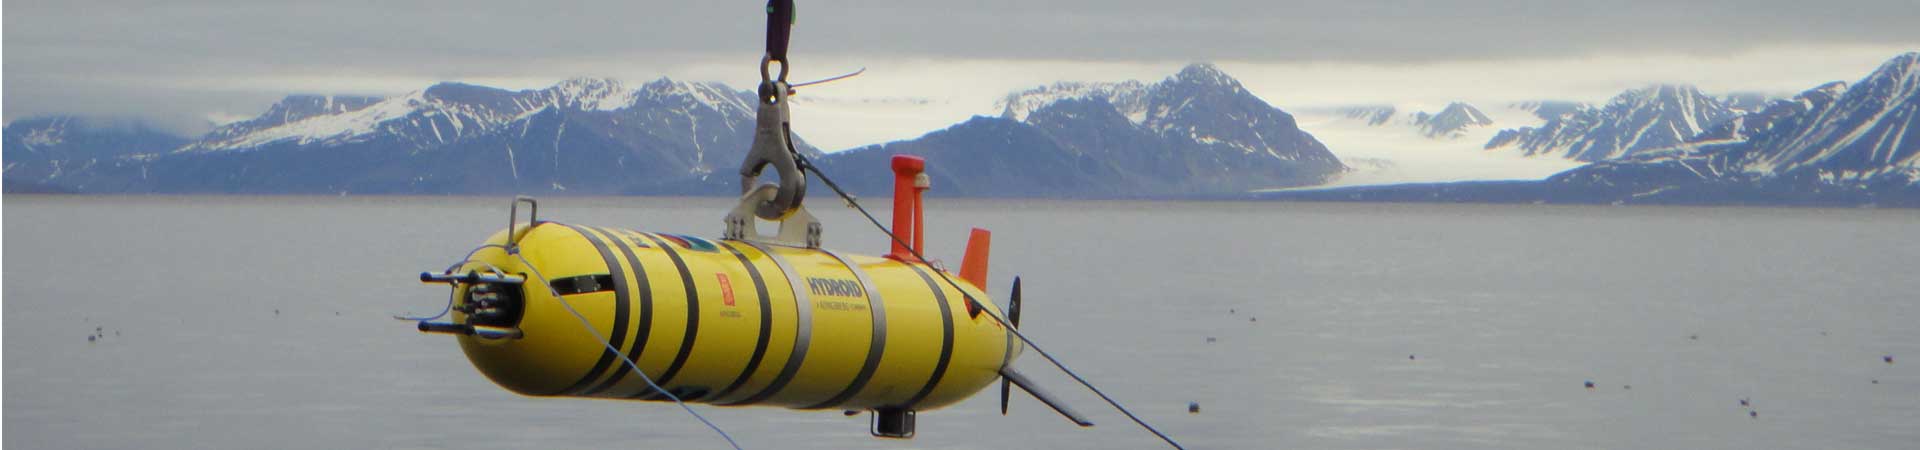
[(876, 346), (692, 334), (802, 330), (616, 337), (766, 324), (643, 326), (946, 339)]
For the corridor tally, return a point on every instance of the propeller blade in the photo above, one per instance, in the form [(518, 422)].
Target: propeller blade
[(1013, 315), (1013, 304)]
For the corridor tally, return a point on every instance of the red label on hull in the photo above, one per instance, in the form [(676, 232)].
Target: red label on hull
[(726, 289)]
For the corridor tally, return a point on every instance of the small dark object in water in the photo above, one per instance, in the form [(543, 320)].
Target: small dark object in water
[(116, 333), (1589, 384), (1193, 407), (1888, 359), (1629, 387), (1693, 337), (1250, 319), (1876, 381), (1210, 339), (336, 313), (1753, 414), (90, 338), (1743, 402), (1409, 357), (1823, 332), (1232, 311), (276, 311)]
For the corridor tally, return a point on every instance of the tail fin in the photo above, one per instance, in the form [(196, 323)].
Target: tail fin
[(973, 265), (1058, 406)]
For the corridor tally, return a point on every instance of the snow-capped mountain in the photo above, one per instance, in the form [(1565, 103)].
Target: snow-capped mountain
[(1758, 120), (1199, 131), (1373, 115), (581, 135), (1128, 97), (1456, 120), (1201, 103), (1862, 135), (293, 108), (1196, 132), (1651, 118), (1834, 144), (1831, 140), (1452, 121), (44, 150), (449, 112)]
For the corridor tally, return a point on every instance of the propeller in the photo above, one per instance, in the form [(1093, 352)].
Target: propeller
[(1013, 315), (1010, 377)]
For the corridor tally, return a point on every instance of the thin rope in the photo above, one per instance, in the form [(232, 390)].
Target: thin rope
[(443, 311), (808, 166), (636, 368), (590, 330)]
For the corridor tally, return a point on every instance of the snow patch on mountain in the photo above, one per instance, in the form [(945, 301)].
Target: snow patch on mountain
[(448, 112), (1454, 121), (1373, 115), (320, 128), (1127, 96), (1867, 132), (1651, 118)]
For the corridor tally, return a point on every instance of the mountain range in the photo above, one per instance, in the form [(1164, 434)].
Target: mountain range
[(1651, 118), (1833, 144), (581, 135), (1452, 122), (1198, 132), (1851, 140)]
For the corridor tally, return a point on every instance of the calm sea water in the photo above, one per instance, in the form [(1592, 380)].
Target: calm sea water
[(244, 322)]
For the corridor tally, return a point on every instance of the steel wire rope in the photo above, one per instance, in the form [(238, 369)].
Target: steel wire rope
[(807, 165)]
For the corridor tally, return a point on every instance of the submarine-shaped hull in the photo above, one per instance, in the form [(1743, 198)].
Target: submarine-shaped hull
[(723, 322)]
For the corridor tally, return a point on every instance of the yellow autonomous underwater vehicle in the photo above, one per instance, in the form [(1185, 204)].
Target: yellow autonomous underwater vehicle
[(743, 320), (547, 308)]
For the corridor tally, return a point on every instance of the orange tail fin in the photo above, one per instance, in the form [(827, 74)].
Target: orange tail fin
[(973, 265)]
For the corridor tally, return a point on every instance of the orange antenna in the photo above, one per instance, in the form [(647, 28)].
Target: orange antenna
[(908, 170)]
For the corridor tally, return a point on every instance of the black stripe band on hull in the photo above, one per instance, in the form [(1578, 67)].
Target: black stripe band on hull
[(946, 340), (876, 345), (620, 309), (693, 322), (644, 326), (766, 324), (802, 329)]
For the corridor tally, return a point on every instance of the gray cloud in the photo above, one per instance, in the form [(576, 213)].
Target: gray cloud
[(195, 55)]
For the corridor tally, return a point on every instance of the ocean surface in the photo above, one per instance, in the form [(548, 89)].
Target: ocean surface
[(264, 322)]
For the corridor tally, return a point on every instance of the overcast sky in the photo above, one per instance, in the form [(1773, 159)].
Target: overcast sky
[(185, 62)]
